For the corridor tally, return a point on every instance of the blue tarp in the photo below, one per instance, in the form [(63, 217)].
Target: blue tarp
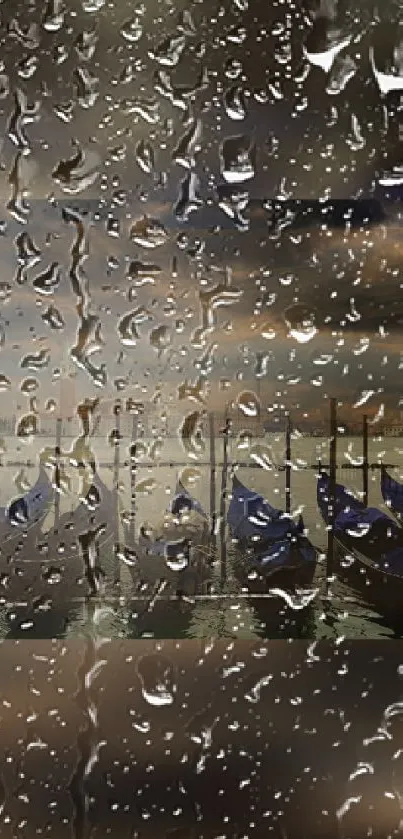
[(183, 501), (250, 515), (392, 492), (343, 499), (372, 531), (31, 506)]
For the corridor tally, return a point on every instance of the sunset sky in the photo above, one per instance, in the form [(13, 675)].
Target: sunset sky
[(347, 281)]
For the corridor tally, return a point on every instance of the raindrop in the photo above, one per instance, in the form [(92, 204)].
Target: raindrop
[(87, 87), (36, 361), (129, 323), (48, 281), (169, 51), (299, 600), (27, 426), (161, 338), (145, 156), (52, 576), (5, 383), (301, 323), (53, 19), (248, 404), (148, 233), (29, 386), (53, 318), (237, 159), (132, 30), (191, 434), (77, 173), (156, 675), (234, 103), (189, 201)]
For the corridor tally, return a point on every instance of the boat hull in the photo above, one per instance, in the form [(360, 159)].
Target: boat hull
[(381, 590), (278, 620), (289, 578)]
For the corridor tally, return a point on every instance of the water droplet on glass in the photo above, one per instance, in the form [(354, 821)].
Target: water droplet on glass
[(234, 102), (248, 403), (301, 323), (27, 426), (48, 281), (132, 30), (156, 675), (53, 318), (29, 385), (145, 156), (148, 233), (237, 159)]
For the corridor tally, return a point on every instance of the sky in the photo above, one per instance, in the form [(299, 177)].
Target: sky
[(344, 279)]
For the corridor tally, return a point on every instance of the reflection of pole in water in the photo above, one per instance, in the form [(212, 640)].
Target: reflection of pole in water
[(133, 478), (88, 743), (116, 523), (223, 529), (213, 513)]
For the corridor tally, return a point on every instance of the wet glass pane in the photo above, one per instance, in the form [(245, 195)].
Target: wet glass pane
[(201, 419)]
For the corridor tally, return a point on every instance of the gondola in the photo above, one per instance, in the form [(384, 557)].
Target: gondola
[(392, 494), (165, 571), (49, 573), (272, 544), (26, 511), (369, 550)]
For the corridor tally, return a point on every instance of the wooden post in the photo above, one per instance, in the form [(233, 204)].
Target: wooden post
[(213, 512), (288, 466), (332, 490), (59, 422), (223, 523), (133, 478), (116, 466), (365, 459)]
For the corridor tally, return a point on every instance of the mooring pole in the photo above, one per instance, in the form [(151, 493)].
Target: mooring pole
[(133, 479), (59, 422), (332, 492), (223, 498), (365, 459), (116, 468), (288, 466), (213, 470)]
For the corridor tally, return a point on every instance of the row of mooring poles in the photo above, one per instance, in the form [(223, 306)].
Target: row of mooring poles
[(333, 480), (213, 501)]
